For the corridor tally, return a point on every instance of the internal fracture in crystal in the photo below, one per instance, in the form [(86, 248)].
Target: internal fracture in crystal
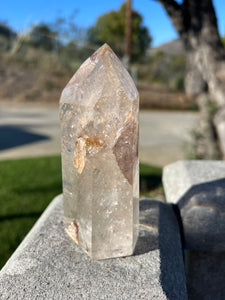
[(99, 142)]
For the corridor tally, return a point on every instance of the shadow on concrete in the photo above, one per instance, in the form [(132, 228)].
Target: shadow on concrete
[(159, 230), (13, 136), (202, 210), (148, 239), (171, 254), (205, 275)]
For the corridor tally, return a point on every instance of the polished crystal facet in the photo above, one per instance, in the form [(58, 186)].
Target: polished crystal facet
[(99, 127)]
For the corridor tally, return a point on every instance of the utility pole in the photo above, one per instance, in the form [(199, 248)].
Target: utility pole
[(128, 32)]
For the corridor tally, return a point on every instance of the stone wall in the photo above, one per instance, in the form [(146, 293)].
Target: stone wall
[(180, 253), (197, 190)]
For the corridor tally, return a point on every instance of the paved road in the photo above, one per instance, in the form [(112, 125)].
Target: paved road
[(29, 131), (164, 134)]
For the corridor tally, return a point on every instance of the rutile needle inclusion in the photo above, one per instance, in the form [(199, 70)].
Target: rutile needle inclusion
[(99, 140)]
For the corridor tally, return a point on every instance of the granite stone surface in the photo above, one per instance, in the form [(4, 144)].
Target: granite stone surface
[(198, 190), (205, 275), (49, 265)]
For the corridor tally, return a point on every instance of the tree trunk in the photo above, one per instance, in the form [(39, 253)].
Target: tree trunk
[(205, 62), (194, 82), (206, 146), (196, 23)]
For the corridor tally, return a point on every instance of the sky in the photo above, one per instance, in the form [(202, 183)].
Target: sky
[(21, 14)]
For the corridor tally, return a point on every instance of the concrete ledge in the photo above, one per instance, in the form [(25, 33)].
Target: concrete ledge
[(198, 188), (48, 265), (205, 275)]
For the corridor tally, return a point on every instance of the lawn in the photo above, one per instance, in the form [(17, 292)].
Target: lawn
[(27, 187)]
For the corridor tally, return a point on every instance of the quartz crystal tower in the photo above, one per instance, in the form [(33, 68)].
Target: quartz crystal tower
[(99, 129)]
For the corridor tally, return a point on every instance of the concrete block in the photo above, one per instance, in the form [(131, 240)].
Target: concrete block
[(49, 265), (205, 275), (198, 189)]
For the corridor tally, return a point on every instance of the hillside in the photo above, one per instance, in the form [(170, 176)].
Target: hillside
[(34, 75), (174, 47)]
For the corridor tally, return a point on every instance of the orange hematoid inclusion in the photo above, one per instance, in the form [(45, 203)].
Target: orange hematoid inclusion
[(73, 230), (83, 145), (91, 145)]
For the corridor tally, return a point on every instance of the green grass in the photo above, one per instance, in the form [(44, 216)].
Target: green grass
[(27, 187), (151, 182)]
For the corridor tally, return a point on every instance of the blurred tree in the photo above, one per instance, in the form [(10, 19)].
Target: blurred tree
[(66, 28), (68, 31), (6, 36), (223, 40), (110, 28), (72, 55), (72, 48), (5, 30), (196, 23), (128, 33), (42, 36)]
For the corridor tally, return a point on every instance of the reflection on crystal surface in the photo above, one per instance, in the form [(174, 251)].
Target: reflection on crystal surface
[(99, 126)]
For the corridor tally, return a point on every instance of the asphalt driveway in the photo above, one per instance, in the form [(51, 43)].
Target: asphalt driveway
[(27, 131)]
